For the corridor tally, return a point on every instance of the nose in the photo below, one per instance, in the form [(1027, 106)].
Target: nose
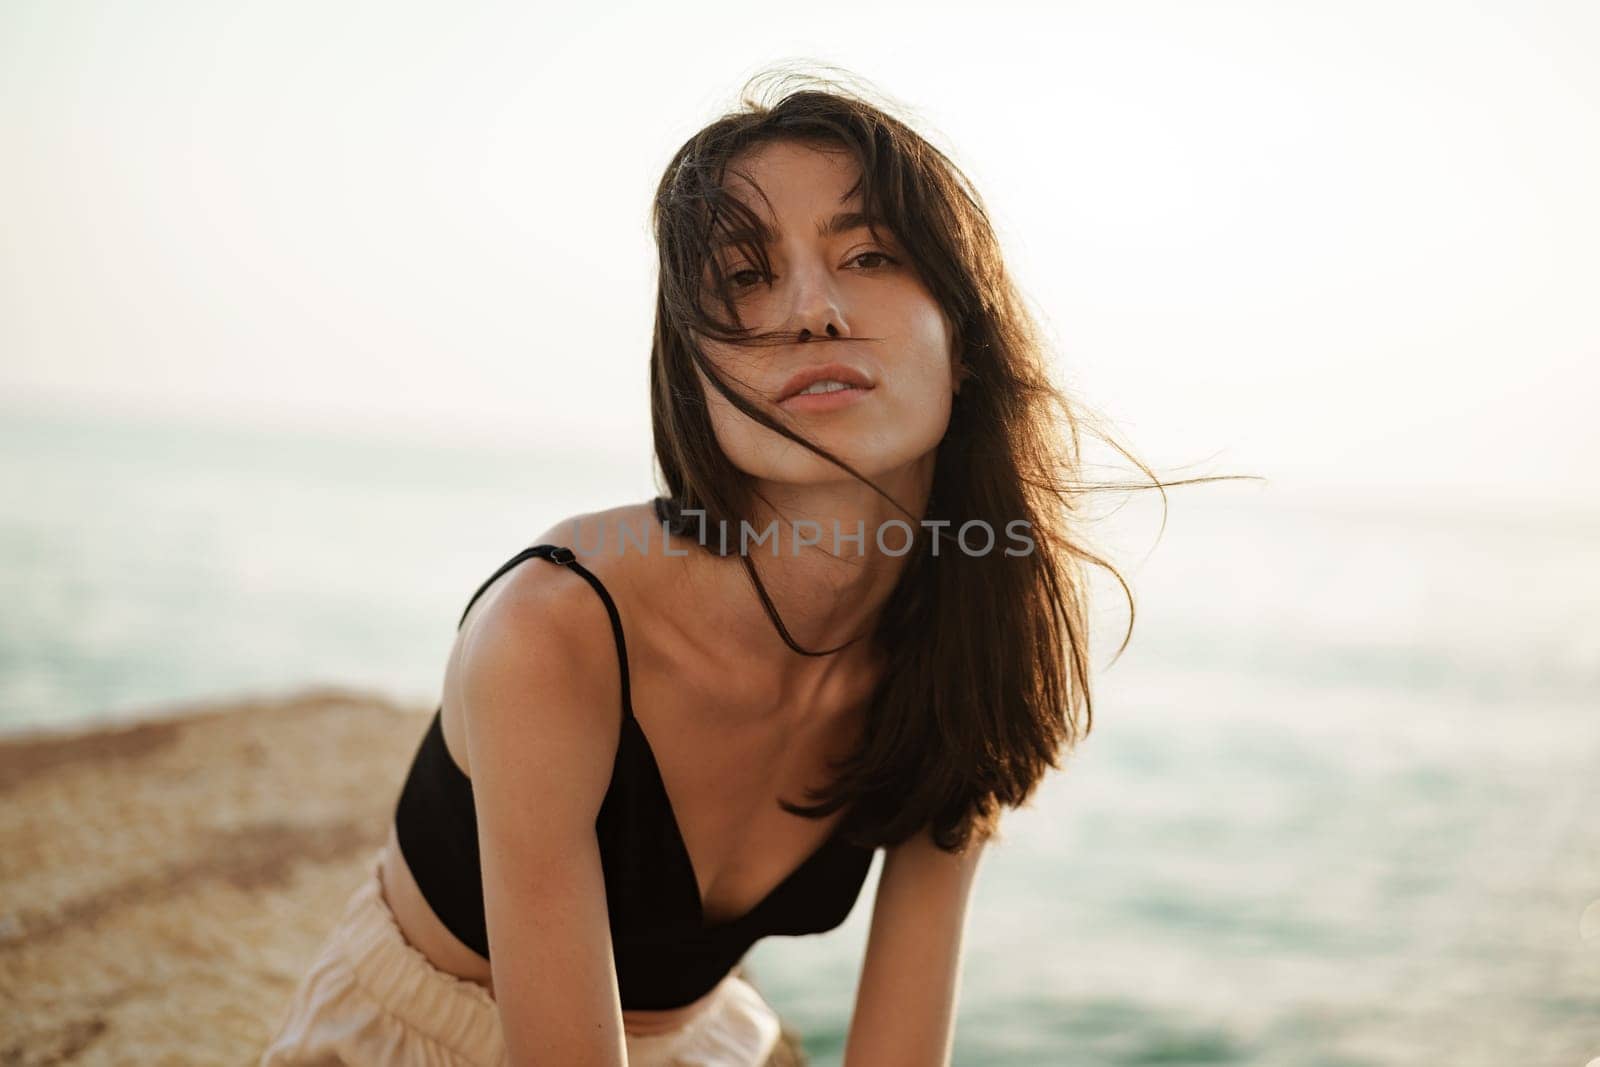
[(831, 330), (817, 309)]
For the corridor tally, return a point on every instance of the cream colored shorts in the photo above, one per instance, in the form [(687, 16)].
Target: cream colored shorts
[(369, 997)]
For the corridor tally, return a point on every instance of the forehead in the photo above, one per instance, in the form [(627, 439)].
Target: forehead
[(793, 182)]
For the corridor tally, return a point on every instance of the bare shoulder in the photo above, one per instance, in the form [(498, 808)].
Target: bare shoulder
[(535, 598), (609, 536), (623, 548), (540, 632)]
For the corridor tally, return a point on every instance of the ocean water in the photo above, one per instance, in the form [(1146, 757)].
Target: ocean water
[(1340, 806)]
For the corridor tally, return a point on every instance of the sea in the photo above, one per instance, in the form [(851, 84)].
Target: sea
[(1339, 806)]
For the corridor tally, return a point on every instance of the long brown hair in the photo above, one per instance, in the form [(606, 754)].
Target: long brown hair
[(987, 655)]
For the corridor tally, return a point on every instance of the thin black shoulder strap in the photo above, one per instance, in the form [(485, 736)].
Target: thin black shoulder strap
[(564, 556)]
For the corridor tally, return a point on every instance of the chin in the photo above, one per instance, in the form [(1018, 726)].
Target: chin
[(805, 468), (871, 451)]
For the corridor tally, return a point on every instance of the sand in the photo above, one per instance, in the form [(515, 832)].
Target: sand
[(164, 884)]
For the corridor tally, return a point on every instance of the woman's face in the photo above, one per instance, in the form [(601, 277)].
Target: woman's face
[(848, 300)]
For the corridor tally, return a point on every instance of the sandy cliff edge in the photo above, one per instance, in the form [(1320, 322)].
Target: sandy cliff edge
[(163, 884)]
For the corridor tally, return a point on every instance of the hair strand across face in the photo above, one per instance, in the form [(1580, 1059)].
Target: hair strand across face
[(987, 679)]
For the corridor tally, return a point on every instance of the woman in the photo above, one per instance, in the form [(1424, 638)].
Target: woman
[(858, 588)]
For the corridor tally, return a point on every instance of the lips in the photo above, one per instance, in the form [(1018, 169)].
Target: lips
[(836, 372)]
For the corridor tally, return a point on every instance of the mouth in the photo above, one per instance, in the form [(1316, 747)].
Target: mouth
[(825, 380), (826, 395)]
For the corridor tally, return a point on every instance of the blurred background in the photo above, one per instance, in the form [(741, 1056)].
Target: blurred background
[(312, 315)]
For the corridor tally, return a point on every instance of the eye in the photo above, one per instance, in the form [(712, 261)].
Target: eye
[(754, 276), (864, 255)]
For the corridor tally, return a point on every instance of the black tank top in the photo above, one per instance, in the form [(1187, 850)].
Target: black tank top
[(666, 953)]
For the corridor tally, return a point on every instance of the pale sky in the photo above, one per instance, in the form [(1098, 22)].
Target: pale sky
[(1350, 243)]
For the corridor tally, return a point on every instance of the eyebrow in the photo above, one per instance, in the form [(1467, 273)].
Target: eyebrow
[(843, 222)]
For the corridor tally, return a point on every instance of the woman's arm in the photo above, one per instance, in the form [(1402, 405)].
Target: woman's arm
[(542, 711), (905, 1003)]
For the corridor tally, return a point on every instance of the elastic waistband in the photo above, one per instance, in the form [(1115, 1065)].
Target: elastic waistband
[(453, 1011)]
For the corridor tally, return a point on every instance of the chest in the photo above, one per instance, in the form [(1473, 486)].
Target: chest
[(718, 792)]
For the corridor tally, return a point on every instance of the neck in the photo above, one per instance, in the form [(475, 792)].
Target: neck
[(828, 585)]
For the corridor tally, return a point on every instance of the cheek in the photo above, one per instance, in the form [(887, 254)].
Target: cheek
[(917, 414), (723, 415), (741, 439), (931, 345), (930, 373)]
